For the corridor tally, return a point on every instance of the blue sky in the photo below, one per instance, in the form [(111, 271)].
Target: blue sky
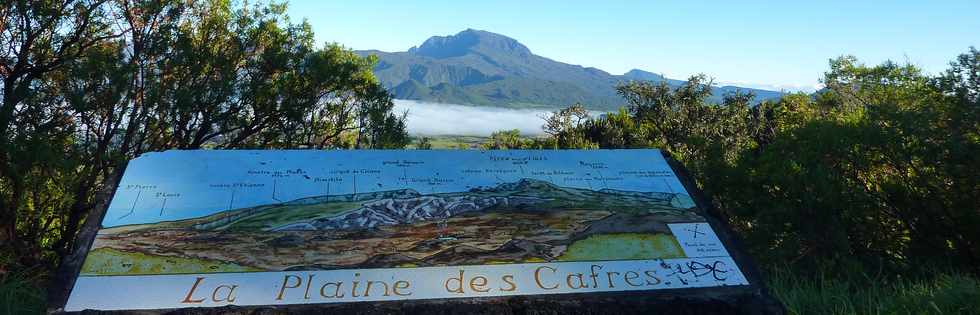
[(758, 42)]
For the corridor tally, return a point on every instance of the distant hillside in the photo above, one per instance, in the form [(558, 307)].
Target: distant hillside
[(482, 68)]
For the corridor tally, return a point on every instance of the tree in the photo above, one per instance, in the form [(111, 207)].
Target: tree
[(875, 171), (424, 143), (506, 139), (871, 171), (560, 125), (101, 83), (37, 38)]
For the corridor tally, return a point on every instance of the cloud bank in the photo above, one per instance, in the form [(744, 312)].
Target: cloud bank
[(788, 87), (432, 119)]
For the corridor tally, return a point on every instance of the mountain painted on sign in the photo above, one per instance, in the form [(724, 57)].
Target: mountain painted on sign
[(477, 67), (525, 221)]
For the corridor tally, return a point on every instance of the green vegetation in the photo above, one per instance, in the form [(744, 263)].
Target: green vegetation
[(941, 292), (108, 261), (20, 294), (876, 172), (612, 246), (879, 169), (447, 142), (504, 139), (88, 85)]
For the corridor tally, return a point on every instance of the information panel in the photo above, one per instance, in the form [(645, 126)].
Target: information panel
[(213, 228)]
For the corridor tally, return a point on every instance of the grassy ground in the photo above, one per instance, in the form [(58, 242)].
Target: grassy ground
[(20, 294), (451, 142), (940, 293)]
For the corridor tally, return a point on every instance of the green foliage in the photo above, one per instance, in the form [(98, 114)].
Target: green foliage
[(507, 139), (449, 142), (92, 84), (857, 292), (880, 177), (512, 139), (19, 292), (561, 126), (424, 143), (20, 296), (878, 170)]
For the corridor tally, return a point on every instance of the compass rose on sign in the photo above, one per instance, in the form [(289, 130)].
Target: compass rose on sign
[(695, 232)]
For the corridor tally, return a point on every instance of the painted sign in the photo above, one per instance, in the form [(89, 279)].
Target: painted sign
[(213, 228)]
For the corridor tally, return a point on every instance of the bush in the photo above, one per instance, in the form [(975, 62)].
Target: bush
[(857, 292), (878, 170), (21, 294)]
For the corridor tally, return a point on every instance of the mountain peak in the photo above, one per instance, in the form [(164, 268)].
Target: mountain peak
[(637, 74), (476, 67), (470, 40)]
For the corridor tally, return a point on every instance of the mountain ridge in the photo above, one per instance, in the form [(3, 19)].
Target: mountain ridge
[(475, 67)]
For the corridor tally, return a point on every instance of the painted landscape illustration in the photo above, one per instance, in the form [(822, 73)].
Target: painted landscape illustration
[(527, 220)]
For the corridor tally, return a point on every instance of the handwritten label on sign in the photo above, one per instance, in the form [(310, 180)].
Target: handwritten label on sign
[(698, 239)]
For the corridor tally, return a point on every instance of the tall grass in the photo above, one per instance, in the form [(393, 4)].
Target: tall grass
[(862, 293), (21, 293)]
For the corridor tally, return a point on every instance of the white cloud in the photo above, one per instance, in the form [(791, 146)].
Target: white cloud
[(431, 119), (787, 87)]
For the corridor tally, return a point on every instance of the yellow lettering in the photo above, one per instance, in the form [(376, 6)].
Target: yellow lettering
[(481, 286), (581, 282), (336, 290), (459, 288), (367, 290), (509, 279), (285, 280), (401, 284), (537, 277), (191, 292), (230, 297), (353, 290)]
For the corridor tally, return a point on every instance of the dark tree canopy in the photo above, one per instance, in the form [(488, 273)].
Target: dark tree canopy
[(87, 85)]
